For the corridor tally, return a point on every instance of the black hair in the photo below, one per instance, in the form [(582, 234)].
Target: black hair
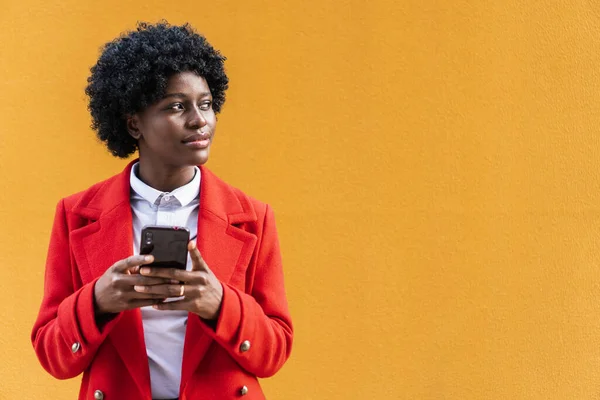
[(132, 73)]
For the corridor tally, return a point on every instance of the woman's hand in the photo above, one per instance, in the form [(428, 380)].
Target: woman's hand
[(114, 290), (201, 290)]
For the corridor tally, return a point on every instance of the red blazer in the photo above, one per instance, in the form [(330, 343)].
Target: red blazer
[(237, 238)]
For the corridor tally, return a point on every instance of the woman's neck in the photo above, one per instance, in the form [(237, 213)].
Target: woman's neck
[(162, 177)]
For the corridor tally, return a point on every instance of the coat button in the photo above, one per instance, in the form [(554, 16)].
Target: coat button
[(245, 346), (244, 390), (75, 347), (98, 395)]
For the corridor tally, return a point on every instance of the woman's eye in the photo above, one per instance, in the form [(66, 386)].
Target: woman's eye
[(206, 105), (176, 106)]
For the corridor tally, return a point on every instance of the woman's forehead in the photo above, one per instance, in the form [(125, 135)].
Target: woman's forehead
[(187, 82)]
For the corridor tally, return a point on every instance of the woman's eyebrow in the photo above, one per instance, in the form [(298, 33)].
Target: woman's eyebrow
[(167, 95), (173, 95)]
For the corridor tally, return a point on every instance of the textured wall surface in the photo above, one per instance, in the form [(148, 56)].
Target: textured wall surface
[(433, 166)]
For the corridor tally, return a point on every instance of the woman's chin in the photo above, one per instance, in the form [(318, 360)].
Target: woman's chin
[(201, 156)]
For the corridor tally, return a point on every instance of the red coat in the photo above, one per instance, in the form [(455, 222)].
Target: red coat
[(237, 238)]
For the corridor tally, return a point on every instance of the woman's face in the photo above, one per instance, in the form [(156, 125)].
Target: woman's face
[(178, 129)]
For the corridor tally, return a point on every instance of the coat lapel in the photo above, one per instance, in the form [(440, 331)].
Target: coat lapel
[(226, 249), (106, 239)]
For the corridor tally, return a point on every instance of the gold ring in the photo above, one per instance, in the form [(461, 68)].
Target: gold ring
[(181, 291)]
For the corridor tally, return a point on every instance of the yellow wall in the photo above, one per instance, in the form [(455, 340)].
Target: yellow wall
[(433, 166)]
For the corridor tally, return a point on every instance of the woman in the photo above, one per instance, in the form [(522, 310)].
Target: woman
[(157, 90)]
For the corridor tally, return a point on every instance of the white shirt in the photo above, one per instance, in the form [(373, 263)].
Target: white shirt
[(164, 331)]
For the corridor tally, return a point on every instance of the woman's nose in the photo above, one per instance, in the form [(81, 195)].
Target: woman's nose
[(196, 120)]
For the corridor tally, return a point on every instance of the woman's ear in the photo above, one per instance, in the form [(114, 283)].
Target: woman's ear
[(132, 122)]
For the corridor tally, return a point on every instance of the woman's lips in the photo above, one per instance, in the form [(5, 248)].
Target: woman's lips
[(197, 141), (198, 144)]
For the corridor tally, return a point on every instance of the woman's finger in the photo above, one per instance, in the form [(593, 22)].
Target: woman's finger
[(144, 303), (165, 290), (135, 295), (174, 275), (132, 280), (130, 263), (174, 305), (168, 274)]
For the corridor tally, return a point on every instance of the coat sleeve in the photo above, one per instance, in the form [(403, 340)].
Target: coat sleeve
[(65, 335), (261, 319)]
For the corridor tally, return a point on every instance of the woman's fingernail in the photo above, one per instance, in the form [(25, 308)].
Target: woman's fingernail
[(193, 244), (148, 258), (145, 271), (139, 288)]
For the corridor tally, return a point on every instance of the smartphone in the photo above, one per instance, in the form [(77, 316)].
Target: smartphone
[(168, 245)]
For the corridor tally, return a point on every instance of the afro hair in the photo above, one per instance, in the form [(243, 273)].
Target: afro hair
[(132, 73)]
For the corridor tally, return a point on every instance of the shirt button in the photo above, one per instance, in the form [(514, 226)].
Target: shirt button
[(245, 346), (75, 347), (98, 395), (244, 390)]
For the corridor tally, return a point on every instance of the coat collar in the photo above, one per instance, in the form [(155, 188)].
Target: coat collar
[(225, 247), (216, 197)]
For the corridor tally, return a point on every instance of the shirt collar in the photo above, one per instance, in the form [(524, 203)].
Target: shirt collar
[(184, 194)]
